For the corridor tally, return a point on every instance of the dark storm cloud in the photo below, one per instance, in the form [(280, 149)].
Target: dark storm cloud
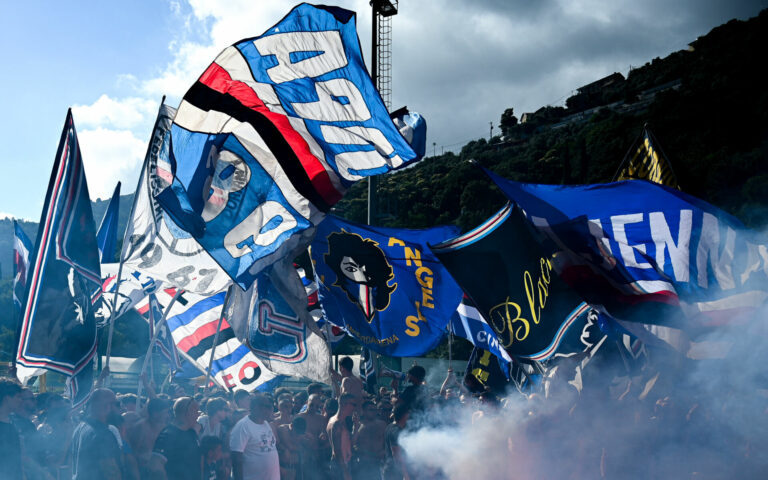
[(463, 63)]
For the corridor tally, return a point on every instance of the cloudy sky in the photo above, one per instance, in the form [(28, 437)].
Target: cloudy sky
[(460, 63)]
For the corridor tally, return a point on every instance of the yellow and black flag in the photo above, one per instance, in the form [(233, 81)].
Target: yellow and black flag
[(645, 161)]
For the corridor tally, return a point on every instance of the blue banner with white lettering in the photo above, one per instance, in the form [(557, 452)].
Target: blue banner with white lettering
[(647, 252), (384, 285), (272, 135)]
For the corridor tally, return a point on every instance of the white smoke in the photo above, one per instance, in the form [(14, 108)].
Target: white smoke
[(674, 418)]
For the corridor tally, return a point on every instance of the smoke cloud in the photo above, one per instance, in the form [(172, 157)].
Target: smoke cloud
[(668, 417)]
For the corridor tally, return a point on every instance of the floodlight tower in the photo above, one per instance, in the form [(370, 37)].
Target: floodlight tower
[(382, 12)]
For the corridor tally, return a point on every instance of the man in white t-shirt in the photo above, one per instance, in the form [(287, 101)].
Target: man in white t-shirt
[(253, 444)]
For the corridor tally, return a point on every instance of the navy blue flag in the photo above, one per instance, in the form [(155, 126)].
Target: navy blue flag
[(272, 135), (384, 286), (511, 280), (647, 252), (22, 246), (106, 236), (58, 330)]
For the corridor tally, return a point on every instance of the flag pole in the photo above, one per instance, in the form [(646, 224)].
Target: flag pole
[(123, 246), (450, 346), (216, 337), (155, 334)]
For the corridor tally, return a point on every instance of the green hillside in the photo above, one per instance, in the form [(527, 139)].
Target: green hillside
[(708, 107)]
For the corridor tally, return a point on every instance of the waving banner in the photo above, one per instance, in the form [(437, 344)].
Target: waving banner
[(271, 318), (272, 135), (192, 320), (384, 286), (510, 280), (647, 252), (154, 246), (468, 323), (58, 329)]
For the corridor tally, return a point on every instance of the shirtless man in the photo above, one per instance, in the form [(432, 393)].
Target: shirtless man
[(284, 413), (290, 448), (315, 440), (349, 382), (142, 434), (369, 444), (339, 432)]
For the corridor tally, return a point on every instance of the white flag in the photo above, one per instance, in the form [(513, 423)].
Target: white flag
[(154, 245)]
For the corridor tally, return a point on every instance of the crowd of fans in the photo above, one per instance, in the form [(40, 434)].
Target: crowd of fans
[(344, 432), (337, 432)]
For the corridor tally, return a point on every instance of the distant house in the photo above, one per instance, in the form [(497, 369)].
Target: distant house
[(525, 117), (598, 85)]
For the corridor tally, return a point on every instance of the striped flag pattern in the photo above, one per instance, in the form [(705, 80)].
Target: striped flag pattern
[(192, 322)]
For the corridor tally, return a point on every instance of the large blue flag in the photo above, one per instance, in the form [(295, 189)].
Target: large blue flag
[(272, 135), (384, 286), (58, 330), (633, 244), (106, 236)]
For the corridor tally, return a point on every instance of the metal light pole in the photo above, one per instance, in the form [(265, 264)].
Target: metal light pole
[(380, 10)]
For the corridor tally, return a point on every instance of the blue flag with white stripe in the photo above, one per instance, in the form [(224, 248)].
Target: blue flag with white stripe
[(467, 323)]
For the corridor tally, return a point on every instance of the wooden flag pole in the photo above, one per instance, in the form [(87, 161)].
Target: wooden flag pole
[(123, 248), (216, 337)]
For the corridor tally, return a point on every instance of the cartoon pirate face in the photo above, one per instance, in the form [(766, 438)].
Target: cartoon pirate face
[(362, 271)]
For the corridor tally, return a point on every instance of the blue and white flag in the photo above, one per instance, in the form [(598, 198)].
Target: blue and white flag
[(58, 328), (134, 287), (647, 252), (106, 236), (193, 320), (384, 286), (467, 323), (272, 135), (271, 318), (22, 245)]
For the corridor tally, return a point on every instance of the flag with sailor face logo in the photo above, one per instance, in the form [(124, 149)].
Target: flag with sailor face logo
[(384, 286), (155, 247), (272, 135)]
